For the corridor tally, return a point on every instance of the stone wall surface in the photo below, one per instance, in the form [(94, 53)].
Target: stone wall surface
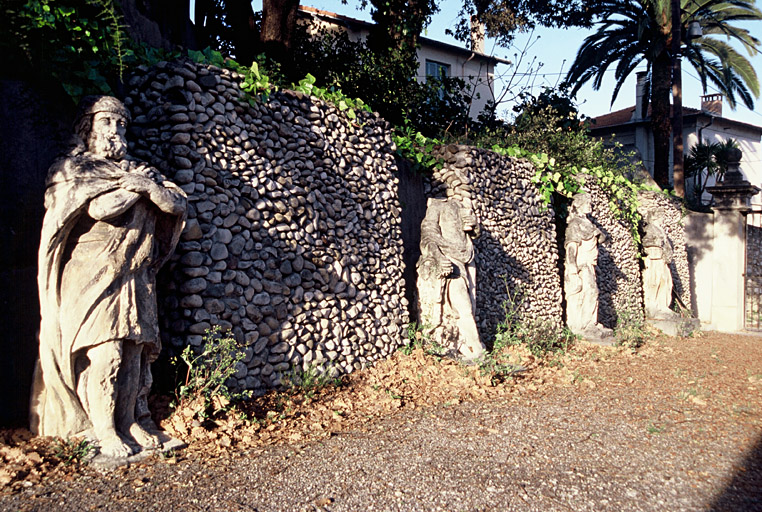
[(620, 289), (516, 244), (293, 238), (675, 227)]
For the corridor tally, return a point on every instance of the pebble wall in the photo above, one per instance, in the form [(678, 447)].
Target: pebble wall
[(293, 237), (516, 244)]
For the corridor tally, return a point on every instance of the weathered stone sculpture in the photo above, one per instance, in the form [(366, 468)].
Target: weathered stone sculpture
[(657, 278), (580, 286), (447, 277), (110, 223)]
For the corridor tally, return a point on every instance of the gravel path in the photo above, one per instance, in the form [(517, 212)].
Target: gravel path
[(626, 440)]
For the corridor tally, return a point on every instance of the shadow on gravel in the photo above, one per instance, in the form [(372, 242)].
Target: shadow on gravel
[(745, 490)]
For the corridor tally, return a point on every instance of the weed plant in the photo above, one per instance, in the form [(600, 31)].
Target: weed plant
[(541, 337), (630, 329), (204, 387), (311, 380), (72, 451)]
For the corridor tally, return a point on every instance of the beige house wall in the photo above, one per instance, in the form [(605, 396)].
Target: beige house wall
[(475, 70)]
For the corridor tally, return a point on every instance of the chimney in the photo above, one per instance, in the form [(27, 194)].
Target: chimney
[(641, 104), (477, 35), (712, 104)]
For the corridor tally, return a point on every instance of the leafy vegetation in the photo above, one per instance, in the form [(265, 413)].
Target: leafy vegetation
[(205, 386), (705, 160), (311, 380), (72, 451), (541, 337), (82, 44)]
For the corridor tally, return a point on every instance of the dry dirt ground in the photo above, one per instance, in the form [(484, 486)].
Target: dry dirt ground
[(674, 425)]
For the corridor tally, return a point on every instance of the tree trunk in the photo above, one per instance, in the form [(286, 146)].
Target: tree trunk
[(240, 16), (661, 124), (278, 30), (163, 24)]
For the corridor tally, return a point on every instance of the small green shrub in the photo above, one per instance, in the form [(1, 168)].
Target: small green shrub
[(72, 451), (539, 336), (311, 380), (630, 329), (204, 387)]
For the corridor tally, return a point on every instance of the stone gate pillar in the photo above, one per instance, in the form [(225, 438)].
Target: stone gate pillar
[(732, 201)]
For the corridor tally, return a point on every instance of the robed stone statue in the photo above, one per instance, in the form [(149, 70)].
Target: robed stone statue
[(110, 224), (447, 278)]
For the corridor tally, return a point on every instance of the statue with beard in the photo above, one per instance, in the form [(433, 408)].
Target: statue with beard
[(110, 224)]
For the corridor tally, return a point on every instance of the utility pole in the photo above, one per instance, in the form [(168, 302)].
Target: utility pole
[(678, 176)]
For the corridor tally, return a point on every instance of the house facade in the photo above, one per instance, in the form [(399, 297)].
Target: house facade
[(435, 58), (631, 128)]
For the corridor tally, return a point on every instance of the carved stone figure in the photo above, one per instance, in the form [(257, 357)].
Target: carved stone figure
[(110, 223), (447, 277), (657, 278), (580, 285)]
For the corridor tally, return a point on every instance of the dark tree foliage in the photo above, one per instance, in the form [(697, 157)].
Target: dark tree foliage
[(503, 18), (389, 88)]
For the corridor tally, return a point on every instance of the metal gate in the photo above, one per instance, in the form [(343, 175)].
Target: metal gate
[(753, 276)]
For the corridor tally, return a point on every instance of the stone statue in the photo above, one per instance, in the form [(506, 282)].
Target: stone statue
[(657, 278), (110, 223), (447, 277), (580, 285)]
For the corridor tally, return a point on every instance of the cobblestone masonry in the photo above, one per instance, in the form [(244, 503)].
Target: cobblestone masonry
[(293, 237), (620, 288)]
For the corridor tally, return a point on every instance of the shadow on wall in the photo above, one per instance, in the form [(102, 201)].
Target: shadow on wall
[(501, 271), (293, 238), (413, 201), (699, 233), (608, 282), (34, 128), (744, 492)]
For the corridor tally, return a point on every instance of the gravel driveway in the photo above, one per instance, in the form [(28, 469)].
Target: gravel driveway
[(631, 436)]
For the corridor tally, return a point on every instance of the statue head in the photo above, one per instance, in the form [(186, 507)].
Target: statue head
[(654, 216), (582, 204), (101, 123)]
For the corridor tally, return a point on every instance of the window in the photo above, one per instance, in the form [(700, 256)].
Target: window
[(437, 69)]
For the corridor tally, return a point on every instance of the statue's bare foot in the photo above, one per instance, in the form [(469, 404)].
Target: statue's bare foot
[(143, 438), (113, 446)]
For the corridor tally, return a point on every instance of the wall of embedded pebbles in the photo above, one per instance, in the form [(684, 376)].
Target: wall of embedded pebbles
[(517, 239), (673, 224), (620, 289), (293, 237)]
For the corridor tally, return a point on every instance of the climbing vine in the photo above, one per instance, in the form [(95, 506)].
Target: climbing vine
[(82, 43)]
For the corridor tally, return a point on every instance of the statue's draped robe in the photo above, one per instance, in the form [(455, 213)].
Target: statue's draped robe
[(657, 277), (443, 239), (582, 306), (96, 281)]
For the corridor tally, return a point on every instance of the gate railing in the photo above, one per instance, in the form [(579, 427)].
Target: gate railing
[(753, 274)]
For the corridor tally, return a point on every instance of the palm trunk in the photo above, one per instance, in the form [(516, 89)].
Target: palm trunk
[(661, 124)]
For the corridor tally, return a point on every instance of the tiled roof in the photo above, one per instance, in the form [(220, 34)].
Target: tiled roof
[(625, 116)]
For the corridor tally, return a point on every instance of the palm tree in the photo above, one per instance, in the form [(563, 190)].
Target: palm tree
[(707, 159), (633, 31)]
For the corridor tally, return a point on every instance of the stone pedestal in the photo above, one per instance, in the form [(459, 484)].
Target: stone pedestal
[(732, 202)]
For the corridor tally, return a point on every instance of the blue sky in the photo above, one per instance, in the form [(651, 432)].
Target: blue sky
[(556, 49)]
